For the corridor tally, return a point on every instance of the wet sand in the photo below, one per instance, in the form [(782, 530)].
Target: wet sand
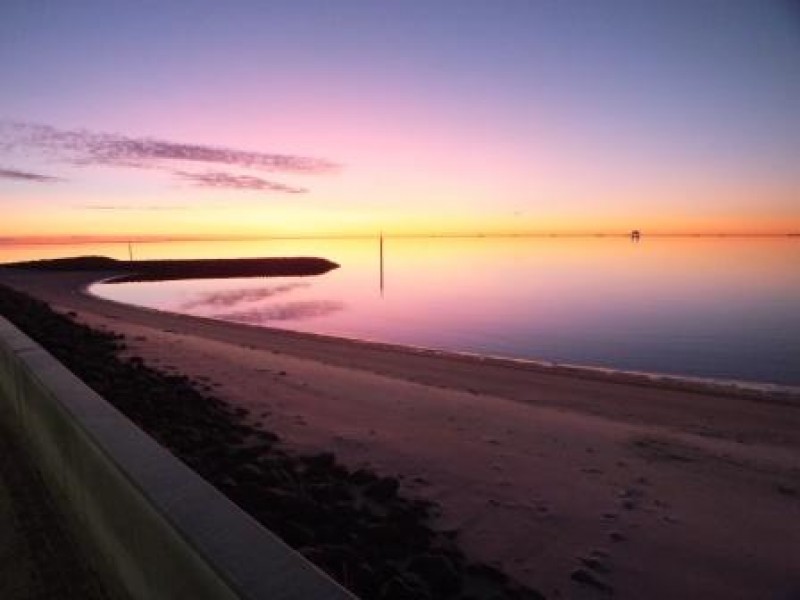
[(576, 483)]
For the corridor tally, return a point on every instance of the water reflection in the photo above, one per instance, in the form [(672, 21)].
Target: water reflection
[(290, 311), (380, 258), (231, 298), (696, 306)]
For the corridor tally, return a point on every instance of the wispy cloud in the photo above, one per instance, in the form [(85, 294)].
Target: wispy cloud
[(219, 179), (91, 148), (27, 176), (87, 148), (129, 207)]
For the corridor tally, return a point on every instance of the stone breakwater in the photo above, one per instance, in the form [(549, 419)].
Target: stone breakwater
[(354, 524), (166, 270)]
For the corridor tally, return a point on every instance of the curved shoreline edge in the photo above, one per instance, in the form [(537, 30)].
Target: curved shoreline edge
[(711, 385), (62, 287), (313, 503), (573, 444)]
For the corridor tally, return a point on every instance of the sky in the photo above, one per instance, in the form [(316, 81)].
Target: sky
[(254, 118)]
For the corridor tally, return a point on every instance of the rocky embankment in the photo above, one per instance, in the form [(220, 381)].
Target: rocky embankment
[(355, 525)]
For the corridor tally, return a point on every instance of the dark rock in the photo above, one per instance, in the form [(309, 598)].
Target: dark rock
[(329, 493), (595, 564), (322, 461), (438, 572), (404, 588), (249, 472), (587, 578), (338, 560), (294, 534), (527, 594), (361, 530), (289, 502), (267, 436), (384, 488), (488, 573), (275, 476), (362, 477)]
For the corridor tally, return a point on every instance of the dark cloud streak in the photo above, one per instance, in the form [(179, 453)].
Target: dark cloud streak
[(83, 147), (219, 179), (129, 207), (27, 176)]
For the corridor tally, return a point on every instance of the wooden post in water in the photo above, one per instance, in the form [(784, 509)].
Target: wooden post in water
[(130, 252), (380, 246)]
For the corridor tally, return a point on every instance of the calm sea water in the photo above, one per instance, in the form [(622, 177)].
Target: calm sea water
[(708, 307)]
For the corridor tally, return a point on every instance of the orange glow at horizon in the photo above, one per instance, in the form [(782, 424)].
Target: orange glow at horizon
[(496, 118), (496, 201), (214, 228)]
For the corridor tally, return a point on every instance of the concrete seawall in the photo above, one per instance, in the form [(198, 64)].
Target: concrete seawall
[(155, 527)]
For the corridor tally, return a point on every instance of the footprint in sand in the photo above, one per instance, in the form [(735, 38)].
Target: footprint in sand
[(590, 579), (670, 519), (596, 561), (617, 536), (630, 498), (591, 471)]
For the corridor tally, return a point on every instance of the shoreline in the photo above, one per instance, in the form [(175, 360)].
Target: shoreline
[(673, 381), (353, 524), (558, 477), (119, 240)]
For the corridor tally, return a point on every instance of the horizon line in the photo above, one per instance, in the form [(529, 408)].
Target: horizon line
[(159, 238)]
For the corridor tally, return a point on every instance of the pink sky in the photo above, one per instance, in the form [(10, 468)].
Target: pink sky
[(476, 117)]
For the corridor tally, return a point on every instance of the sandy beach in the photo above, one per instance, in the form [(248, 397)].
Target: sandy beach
[(579, 484)]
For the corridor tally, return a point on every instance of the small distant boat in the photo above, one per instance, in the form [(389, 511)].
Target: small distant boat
[(636, 234)]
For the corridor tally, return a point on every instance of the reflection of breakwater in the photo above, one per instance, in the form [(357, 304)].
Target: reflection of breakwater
[(249, 311), (381, 261), (291, 311), (230, 298)]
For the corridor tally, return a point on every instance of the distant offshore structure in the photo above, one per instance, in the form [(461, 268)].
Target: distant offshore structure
[(635, 235)]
